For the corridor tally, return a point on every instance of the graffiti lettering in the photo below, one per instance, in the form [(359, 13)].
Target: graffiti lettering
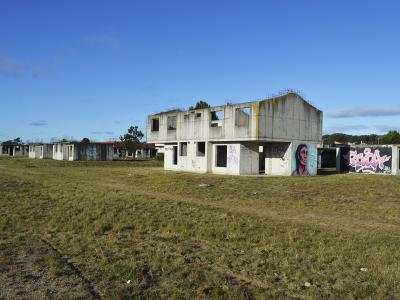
[(368, 161), (232, 155)]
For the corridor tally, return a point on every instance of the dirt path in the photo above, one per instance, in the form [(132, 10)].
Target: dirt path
[(32, 269)]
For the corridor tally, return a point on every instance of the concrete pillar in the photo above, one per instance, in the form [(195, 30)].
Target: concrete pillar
[(395, 160), (338, 154)]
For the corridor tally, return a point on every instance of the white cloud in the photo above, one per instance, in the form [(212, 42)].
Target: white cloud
[(38, 123), (364, 112)]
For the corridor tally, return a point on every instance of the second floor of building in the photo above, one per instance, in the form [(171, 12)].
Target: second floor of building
[(284, 118)]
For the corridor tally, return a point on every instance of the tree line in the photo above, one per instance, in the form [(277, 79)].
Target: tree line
[(392, 137)]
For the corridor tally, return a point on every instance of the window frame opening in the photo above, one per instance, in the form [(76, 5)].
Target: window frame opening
[(183, 147), (155, 124), (175, 155), (201, 149), (216, 117), (242, 116)]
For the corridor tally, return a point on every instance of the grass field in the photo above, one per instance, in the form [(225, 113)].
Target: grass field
[(132, 230)]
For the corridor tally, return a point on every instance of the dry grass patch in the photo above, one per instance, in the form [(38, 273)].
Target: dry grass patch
[(133, 230)]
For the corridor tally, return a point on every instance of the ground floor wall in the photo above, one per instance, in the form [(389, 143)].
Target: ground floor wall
[(382, 159), (83, 151), (184, 157), (244, 158), (19, 150), (41, 151), (145, 153), (61, 151), (120, 153), (91, 151)]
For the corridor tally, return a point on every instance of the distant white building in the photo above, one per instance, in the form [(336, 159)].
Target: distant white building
[(83, 151), (41, 151), (14, 149), (277, 136)]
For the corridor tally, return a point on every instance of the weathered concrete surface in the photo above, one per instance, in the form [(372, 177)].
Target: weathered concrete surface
[(83, 151), (241, 128), (41, 151), (14, 150), (287, 118)]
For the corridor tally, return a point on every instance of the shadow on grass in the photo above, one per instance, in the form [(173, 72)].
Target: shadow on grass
[(135, 160), (326, 171)]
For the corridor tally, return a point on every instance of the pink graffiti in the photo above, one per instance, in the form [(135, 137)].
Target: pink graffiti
[(367, 161)]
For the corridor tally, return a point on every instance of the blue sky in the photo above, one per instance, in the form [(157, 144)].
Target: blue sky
[(93, 68)]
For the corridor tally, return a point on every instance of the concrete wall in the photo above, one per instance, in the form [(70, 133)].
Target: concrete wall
[(278, 159), (191, 162), (32, 153), (145, 153), (369, 159), (60, 151), (15, 150), (5, 150), (249, 159), (63, 151), (244, 158), (83, 151), (233, 159), (120, 153), (92, 151), (287, 118), (240, 158), (41, 151), (396, 160)]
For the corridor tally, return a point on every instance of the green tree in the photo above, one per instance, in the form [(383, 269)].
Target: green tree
[(392, 137), (12, 142), (132, 138), (199, 105), (85, 140)]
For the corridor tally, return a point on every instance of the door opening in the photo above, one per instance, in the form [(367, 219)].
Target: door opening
[(175, 155)]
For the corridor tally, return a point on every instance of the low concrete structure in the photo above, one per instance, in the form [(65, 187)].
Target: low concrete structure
[(145, 151), (82, 151), (368, 159), (119, 149), (277, 136), (14, 149), (41, 151)]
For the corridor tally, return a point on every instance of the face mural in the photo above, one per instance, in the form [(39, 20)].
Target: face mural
[(304, 160)]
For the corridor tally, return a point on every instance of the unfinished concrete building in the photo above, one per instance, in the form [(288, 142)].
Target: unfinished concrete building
[(14, 149), (277, 136), (41, 151), (82, 151)]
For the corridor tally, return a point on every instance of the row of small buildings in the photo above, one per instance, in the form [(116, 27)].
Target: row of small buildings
[(101, 151), (276, 136)]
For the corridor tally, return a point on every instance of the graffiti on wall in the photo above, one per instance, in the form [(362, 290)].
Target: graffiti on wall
[(233, 157), (304, 160), (91, 153), (369, 160)]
